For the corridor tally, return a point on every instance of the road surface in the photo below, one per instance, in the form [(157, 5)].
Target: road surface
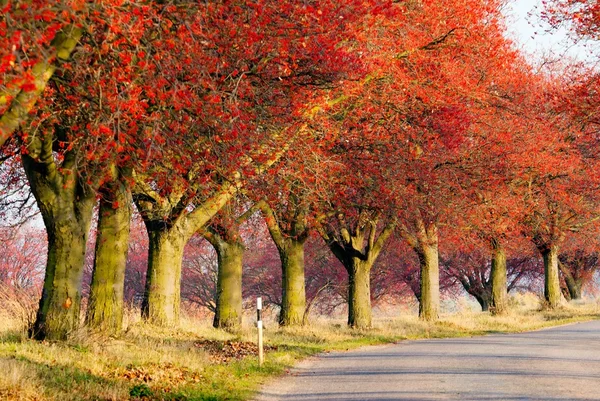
[(562, 363)]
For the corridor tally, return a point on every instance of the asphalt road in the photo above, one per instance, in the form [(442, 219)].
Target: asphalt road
[(562, 363)]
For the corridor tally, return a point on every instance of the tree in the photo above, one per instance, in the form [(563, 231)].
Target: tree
[(106, 300), (72, 151), (473, 271), (324, 276), (35, 36), (66, 203), (199, 274), (560, 194), (357, 246), (577, 262), (241, 117), (414, 118), (289, 231), (225, 236), (574, 100), (22, 260)]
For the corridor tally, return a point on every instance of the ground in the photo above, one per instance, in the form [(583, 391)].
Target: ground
[(197, 362)]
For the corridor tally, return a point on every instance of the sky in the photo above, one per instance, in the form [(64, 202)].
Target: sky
[(526, 28)]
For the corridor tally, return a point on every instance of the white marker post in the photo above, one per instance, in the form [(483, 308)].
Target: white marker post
[(259, 325)]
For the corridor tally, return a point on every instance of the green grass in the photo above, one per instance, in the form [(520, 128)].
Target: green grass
[(148, 363)]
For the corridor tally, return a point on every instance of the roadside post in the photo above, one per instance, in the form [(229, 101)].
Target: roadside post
[(259, 325)]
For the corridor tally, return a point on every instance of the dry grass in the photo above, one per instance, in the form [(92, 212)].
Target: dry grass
[(166, 364)]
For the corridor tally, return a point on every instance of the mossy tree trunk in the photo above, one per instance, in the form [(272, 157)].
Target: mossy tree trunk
[(290, 245), (170, 225), (357, 246), (60, 304), (552, 292), (105, 306), (574, 279), (293, 299), (424, 242), (573, 285), (290, 239), (429, 307), (66, 206), (359, 294), (548, 244), (224, 235), (23, 101), (161, 302), (228, 313), (499, 301)]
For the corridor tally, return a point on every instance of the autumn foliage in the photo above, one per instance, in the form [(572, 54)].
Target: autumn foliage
[(330, 153)]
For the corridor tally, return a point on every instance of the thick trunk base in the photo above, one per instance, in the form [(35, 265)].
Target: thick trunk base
[(359, 295), (161, 302), (552, 293), (484, 303), (105, 307), (499, 304), (229, 286), (574, 288), (429, 305), (293, 301), (59, 307)]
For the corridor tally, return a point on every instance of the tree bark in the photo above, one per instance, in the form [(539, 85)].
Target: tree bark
[(357, 248), (293, 300), (499, 280), (105, 306), (229, 285), (552, 291), (61, 47), (66, 209), (60, 304), (429, 307), (573, 286), (484, 303), (170, 225), (290, 244), (359, 294), (161, 302), (424, 241)]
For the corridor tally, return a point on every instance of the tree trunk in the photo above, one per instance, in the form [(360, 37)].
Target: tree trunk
[(429, 307), (551, 280), (499, 279), (293, 300), (483, 302), (169, 228), (67, 213), (105, 307), (229, 286), (161, 302), (359, 294), (59, 307), (62, 46), (573, 285)]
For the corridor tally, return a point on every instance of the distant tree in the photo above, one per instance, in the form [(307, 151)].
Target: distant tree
[(473, 272), (22, 258)]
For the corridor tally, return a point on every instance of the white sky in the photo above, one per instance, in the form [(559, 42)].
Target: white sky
[(526, 28)]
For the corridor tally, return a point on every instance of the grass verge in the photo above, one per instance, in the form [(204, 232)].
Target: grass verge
[(196, 362)]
